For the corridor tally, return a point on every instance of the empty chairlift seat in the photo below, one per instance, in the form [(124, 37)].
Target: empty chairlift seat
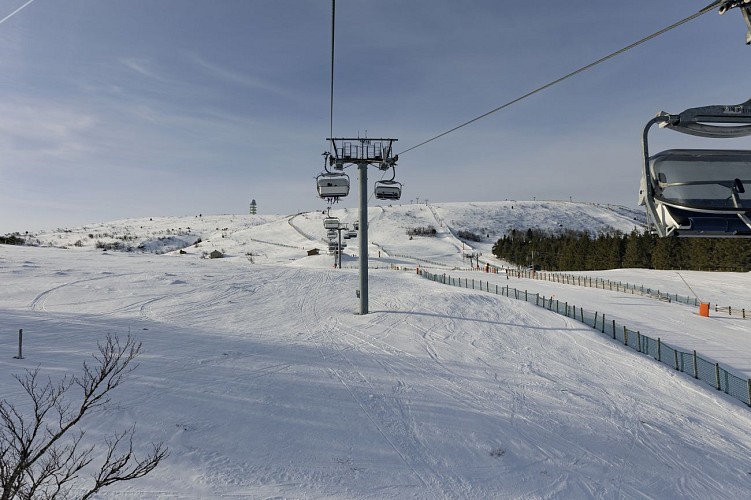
[(703, 190), (388, 190), (699, 192), (331, 223), (709, 180), (332, 185)]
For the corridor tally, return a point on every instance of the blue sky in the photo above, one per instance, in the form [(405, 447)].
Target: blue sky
[(128, 108)]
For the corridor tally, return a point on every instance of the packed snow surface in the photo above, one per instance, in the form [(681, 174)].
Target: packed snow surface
[(264, 382)]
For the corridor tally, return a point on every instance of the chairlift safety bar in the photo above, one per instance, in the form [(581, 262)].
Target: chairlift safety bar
[(698, 121)]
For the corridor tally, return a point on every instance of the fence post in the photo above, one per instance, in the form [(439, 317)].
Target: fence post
[(696, 366), (659, 349), (581, 311), (638, 341), (567, 309), (603, 322), (594, 325), (625, 336), (525, 296), (675, 355), (20, 344), (717, 375)]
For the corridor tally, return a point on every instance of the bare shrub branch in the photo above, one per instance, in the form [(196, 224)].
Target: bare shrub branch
[(41, 454)]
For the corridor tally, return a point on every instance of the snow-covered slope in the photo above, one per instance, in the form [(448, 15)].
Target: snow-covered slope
[(264, 383)]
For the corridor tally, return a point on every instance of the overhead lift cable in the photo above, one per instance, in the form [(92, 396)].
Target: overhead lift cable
[(331, 94), (723, 5)]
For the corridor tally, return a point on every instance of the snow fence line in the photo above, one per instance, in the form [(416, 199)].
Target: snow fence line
[(620, 286), (275, 244), (687, 362)]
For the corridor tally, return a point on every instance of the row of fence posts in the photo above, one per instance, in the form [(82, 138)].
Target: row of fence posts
[(598, 323), (620, 286)]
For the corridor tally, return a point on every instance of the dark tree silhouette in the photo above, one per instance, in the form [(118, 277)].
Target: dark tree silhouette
[(41, 443)]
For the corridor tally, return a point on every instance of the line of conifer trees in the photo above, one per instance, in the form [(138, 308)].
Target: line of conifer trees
[(578, 251)]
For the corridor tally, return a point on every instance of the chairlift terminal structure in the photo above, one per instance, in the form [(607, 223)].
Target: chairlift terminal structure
[(699, 192)]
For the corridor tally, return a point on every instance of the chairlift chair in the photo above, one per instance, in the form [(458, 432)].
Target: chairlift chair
[(388, 190), (699, 192), (331, 223), (332, 186)]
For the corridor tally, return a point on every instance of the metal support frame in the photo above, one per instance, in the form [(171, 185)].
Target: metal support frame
[(339, 250), (362, 152), (745, 8), (362, 237), (338, 255)]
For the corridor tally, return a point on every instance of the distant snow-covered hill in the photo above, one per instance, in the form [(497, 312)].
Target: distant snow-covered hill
[(277, 237)]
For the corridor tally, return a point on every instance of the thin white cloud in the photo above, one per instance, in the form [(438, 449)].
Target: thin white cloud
[(142, 67), (34, 128), (230, 76)]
